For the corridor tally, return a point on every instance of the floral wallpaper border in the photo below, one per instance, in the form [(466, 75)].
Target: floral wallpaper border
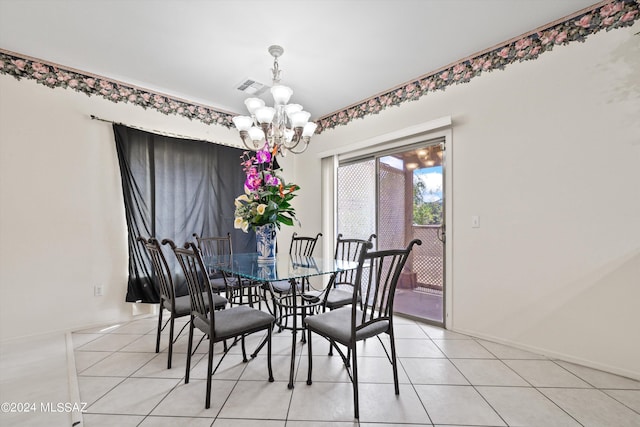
[(616, 14), (603, 16)]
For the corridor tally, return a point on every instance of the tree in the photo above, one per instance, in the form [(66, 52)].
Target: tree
[(425, 213)]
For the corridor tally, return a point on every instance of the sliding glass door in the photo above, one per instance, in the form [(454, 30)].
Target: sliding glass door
[(399, 196)]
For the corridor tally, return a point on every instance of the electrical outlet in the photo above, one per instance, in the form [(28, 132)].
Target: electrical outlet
[(97, 290), (475, 221)]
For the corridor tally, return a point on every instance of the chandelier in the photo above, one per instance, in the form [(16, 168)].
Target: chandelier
[(283, 126)]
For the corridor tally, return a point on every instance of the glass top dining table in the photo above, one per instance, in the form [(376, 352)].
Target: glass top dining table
[(284, 267)]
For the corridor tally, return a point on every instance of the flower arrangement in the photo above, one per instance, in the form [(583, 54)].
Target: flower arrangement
[(267, 198)]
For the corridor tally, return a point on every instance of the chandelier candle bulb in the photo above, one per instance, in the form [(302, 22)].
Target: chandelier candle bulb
[(253, 104), (265, 114), (243, 123), (281, 94)]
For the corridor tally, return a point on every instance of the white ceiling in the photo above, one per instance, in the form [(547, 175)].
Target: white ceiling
[(337, 52)]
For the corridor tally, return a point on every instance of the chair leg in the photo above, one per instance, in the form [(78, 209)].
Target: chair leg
[(171, 326), (244, 351), (269, 353), (356, 405), (207, 403), (159, 328), (310, 357), (303, 314), (189, 347), (394, 362)]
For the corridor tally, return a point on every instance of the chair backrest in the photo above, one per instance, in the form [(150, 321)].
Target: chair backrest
[(214, 246), (303, 246), (376, 280), (348, 250), (190, 260), (161, 270)]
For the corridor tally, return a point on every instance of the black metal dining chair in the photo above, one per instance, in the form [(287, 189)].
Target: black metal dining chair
[(234, 288), (279, 292), (231, 323), (339, 291), (370, 313), (176, 306)]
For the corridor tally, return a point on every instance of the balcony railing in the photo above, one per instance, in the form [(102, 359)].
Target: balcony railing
[(428, 260)]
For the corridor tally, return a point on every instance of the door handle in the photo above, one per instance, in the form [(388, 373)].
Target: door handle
[(442, 233)]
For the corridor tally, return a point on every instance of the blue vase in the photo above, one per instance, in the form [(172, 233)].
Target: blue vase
[(266, 242)]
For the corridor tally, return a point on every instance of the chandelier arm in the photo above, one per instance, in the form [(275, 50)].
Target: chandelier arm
[(244, 135), (305, 140)]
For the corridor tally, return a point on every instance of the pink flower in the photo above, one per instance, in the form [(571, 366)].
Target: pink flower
[(458, 69), (521, 53), (617, 7), (253, 182), (548, 36), (477, 64), (561, 37), (584, 22), (504, 53), (202, 110), (445, 75), (104, 84), (628, 16), (487, 64), (132, 98), (73, 83), (158, 99), (38, 67), (271, 179), (146, 96), (523, 43), (535, 50), (432, 85), (19, 63), (263, 156), (607, 10), (90, 82), (410, 88), (51, 81), (608, 21)]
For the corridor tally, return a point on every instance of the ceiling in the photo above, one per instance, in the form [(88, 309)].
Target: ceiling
[(337, 52)]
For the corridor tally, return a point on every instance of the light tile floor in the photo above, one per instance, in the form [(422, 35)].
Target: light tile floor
[(446, 379)]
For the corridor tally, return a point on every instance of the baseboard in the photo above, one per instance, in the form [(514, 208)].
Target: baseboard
[(554, 355)]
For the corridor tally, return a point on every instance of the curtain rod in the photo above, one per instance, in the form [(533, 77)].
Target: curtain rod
[(162, 133)]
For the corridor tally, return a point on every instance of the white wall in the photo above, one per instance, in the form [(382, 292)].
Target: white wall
[(547, 153), (62, 224)]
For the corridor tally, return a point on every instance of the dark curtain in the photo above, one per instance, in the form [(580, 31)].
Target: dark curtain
[(173, 188)]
